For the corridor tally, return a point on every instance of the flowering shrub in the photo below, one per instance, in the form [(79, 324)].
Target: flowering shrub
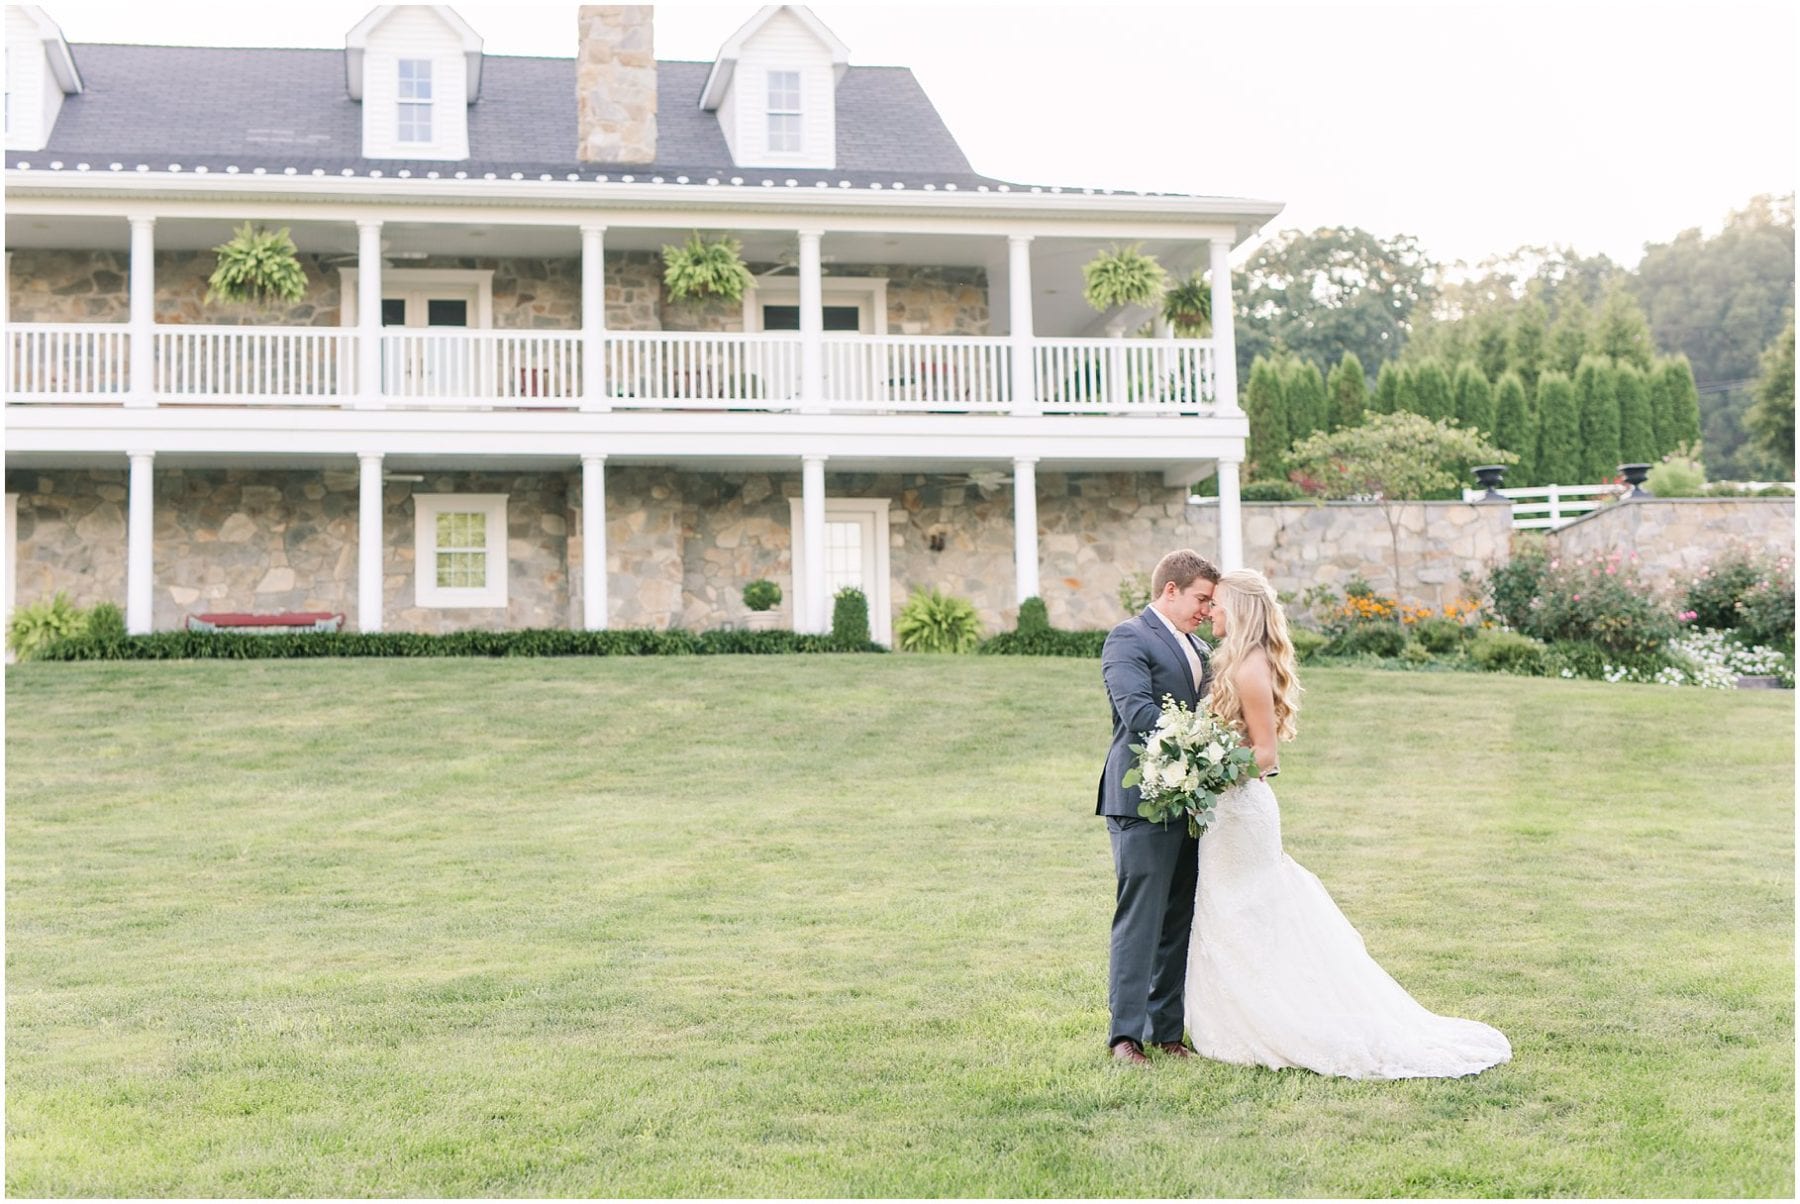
[(1713, 660), (1713, 593), (1600, 600), (1766, 610), (1512, 586)]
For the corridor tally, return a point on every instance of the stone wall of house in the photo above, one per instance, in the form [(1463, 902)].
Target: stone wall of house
[(529, 292), (1680, 535), (262, 541)]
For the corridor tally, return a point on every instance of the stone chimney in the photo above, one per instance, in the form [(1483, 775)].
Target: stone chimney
[(615, 84)]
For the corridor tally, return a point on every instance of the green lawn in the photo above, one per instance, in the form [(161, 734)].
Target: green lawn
[(837, 925)]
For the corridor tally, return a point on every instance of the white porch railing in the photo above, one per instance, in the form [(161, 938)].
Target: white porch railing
[(249, 364), (448, 367), (67, 362), (1135, 375), (665, 369), (908, 372), (1547, 507), (523, 368)]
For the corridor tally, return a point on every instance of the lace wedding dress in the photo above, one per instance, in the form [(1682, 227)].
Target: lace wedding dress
[(1276, 976)]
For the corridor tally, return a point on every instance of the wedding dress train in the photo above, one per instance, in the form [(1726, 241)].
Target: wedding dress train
[(1277, 977)]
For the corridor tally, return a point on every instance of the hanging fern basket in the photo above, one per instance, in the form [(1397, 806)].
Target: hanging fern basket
[(1187, 306), (258, 267), (1122, 276), (699, 270)]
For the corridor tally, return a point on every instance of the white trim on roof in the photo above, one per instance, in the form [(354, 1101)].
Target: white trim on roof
[(357, 41), (719, 79), (56, 49)]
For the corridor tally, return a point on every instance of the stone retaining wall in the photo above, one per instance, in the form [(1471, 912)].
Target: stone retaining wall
[(1680, 535)]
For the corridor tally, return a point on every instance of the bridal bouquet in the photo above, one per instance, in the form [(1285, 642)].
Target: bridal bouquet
[(1186, 763)]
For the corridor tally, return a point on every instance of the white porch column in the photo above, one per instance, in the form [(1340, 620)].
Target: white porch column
[(812, 324), (140, 530), (370, 569), (812, 516), (368, 317), (142, 380), (593, 542), (1231, 517), (593, 322), (1018, 306), (1224, 337), (1025, 526)]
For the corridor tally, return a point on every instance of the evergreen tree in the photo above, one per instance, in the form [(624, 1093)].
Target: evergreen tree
[(1474, 399), (1349, 390), (1569, 336), (1390, 382), (1623, 332), (1529, 342), (1513, 429), (1559, 431), (1493, 332), (1599, 402), (1266, 408), (1308, 408), (1661, 394), (1771, 417), (1684, 401), (1637, 435), (1430, 395)]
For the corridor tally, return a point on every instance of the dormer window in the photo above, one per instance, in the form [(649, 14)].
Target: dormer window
[(415, 100), (784, 112)]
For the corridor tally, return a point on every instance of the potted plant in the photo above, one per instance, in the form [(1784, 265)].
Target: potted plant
[(1188, 306), (703, 270), (762, 596), (258, 266), (1122, 276)]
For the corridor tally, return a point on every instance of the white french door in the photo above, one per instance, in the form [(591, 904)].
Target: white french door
[(856, 556)]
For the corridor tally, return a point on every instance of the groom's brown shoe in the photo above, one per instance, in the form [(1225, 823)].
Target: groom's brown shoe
[(1175, 1049), (1131, 1052)]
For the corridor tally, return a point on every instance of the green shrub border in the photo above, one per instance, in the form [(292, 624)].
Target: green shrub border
[(213, 645)]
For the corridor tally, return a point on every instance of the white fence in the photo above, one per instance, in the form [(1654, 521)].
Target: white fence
[(248, 364), (1131, 375), (662, 369), (67, 362), (1547, 507), (521, 368), (906, 372)]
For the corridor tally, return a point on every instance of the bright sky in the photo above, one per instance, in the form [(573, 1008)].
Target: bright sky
[(1476, 127)]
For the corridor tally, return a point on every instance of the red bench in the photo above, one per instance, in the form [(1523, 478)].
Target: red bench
[(302, 620)]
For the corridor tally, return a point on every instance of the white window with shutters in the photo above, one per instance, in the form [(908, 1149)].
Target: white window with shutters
[(460, 544)]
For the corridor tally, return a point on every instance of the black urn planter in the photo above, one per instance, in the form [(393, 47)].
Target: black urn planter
[(1635, 476), (1488, 477)]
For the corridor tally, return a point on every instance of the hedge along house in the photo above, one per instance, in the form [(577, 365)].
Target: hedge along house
[(486, 410)]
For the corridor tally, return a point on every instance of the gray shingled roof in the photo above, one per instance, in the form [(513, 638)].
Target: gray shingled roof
[(276, 108)]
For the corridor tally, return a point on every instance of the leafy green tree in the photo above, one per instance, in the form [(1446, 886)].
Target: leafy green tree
[(1265, 405), (1389, 385), (1474, 398), (1395, 458), (1514, 430), (1637, 435), (1308, 407), (1599, 403), (1559, 431), (1332, 290), (1430, 393), (1349, 390), (1528, 343), (1569, 336), (1771, 418), (1683, 403), (1622, 332), (1719, 301)]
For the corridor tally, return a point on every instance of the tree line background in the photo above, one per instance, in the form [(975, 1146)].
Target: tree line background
[(1573, 362)]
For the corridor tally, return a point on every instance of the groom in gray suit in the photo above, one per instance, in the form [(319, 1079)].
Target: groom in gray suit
[(1145, 658)]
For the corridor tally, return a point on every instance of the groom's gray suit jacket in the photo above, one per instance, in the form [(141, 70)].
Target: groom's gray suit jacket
[(1141, 662)]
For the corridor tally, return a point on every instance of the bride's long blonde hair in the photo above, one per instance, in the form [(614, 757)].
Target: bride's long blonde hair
[(1254, 619)]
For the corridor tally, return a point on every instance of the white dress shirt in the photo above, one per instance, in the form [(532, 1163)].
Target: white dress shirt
[(1187, 646)]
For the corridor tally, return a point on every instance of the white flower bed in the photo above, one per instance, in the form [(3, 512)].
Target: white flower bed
[(1709, 659)]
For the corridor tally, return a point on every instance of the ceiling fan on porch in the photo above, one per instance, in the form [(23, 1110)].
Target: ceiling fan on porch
[(788, 261), (985, 479), (349, 259)]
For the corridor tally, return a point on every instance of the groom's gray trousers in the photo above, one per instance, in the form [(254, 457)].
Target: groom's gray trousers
[(1153, 913)]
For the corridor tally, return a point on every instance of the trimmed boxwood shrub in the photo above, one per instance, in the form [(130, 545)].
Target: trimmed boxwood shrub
[(1500, 651), (217, 645), (1307, 642), (1048, 642), (1271, 491), (1034, 615), (1441, 636), (1368, 639), (850, 618)]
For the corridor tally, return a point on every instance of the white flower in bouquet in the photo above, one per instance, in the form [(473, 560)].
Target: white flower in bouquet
[(1185, 763)]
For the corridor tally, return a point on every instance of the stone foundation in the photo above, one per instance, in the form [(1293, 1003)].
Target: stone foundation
[(1680, 535)]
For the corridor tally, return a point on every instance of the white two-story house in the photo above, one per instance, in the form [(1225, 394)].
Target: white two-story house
[(487, 411)]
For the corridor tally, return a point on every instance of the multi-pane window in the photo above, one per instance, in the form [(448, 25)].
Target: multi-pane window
[(462, 549), (784, 111), (415, 100), (843, 557)]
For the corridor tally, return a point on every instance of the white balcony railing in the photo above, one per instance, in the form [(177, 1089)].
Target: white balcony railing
[(67, 362), (239, 365), (445, 367)]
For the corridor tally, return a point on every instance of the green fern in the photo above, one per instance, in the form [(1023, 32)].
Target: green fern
[(1188, 306), (934, 622), (40, 624), (1122, 276), (703, 270), (258, 266)]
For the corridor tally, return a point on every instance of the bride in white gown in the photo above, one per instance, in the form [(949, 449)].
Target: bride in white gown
[(1276, 976)]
